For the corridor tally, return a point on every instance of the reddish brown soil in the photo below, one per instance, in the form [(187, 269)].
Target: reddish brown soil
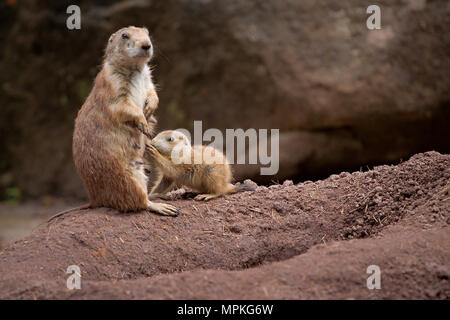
[(310, 240)]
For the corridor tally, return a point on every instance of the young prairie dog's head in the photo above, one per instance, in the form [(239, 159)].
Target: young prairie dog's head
[(129, 46), (168, 141)]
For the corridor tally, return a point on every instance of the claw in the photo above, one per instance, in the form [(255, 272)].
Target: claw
[(157, 196), (142, 127), (151, 149), (205, 197)]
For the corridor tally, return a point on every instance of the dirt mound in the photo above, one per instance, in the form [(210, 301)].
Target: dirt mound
[(341, 95), (282, 241)]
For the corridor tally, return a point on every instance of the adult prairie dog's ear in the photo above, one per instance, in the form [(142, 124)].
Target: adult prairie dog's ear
[(109, 47)]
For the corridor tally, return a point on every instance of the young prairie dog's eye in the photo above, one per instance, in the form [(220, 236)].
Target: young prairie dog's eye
[(125, 36), (170, 139)]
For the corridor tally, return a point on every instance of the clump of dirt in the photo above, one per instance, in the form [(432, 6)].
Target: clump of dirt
[(282, 241)]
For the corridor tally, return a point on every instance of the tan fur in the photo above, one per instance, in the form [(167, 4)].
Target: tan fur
[(210, 179), (109, 136)]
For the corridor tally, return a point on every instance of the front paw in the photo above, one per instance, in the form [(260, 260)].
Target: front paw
[(151, 104), (148, 112)]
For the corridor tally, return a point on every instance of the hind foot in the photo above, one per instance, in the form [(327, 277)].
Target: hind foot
[(205, 197), (163, 209)]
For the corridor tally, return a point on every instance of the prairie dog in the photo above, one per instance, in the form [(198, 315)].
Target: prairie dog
[(112, 125), (176, 160)]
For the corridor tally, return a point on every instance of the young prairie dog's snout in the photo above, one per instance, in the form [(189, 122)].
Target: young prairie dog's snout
[(168, 141), (201, 168), (127, 53)]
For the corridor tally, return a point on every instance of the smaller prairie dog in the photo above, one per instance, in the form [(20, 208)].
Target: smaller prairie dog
[(112, 125), (201, 168)]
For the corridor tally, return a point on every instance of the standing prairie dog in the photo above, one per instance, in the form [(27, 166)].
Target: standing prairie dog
[(112, 125), (201, 168)]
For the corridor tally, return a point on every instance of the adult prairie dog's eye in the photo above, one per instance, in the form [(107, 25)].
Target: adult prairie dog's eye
[(125, 36), (170, 139)]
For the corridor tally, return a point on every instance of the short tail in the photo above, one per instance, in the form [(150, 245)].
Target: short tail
[(83, 207)]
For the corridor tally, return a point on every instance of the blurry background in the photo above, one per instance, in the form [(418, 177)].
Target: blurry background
[(343, 97)]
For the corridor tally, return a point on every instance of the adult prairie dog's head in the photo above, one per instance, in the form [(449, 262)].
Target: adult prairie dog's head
[(172, 143), (129, 46)]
